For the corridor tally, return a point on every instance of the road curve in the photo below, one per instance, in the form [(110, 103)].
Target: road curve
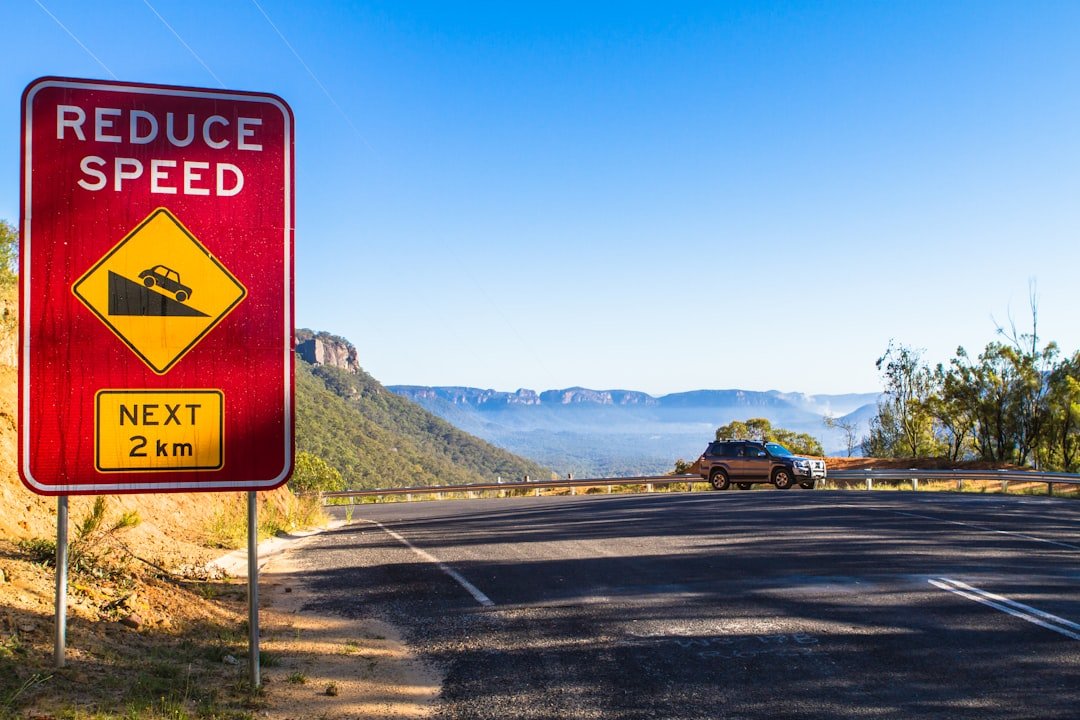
[(759, 604)]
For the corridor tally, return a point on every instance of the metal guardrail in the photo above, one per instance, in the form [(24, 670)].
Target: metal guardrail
[(914, 475), (925, 474), (530, 485), (868, 475)]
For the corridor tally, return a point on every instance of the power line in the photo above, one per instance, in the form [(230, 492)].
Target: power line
[(193, 53), (76, 39), (537, 357), (313, 76)]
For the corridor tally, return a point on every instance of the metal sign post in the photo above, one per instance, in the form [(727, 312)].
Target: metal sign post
[(253, 591), (60, 646)]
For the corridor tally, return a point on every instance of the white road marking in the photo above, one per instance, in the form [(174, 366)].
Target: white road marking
[(984, 528), (1005, 605), (479, 596)]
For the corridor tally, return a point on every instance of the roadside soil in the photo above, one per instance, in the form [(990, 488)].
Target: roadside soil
[(156, 630), (170, 639), (336, 668)]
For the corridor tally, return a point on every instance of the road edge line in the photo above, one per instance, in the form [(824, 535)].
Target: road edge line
[(476, 593)]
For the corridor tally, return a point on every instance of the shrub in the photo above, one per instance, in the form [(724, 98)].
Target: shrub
[(313, 474)]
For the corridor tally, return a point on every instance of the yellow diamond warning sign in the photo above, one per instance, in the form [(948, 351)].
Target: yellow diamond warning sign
[(160, 290)]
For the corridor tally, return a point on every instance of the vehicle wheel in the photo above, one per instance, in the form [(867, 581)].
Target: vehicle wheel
[(148, 281), (782, 480), (743, 486), (181, 296), (807, 485), (719, 480)]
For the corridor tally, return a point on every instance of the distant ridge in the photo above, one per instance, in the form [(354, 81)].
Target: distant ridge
[(568, 396), (627, 432), (838, 404)]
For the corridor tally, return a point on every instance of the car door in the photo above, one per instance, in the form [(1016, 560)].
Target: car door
[(735, 459), (756, 464)]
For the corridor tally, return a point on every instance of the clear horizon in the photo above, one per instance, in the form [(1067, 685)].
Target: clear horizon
[(752, 195)]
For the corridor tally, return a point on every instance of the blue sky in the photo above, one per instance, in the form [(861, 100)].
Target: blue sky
[(655, 196)]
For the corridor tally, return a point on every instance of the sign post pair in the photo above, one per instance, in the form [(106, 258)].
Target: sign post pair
[(156, 292)]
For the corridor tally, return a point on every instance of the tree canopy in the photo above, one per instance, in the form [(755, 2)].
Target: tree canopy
[(761, 429), (1017, 402)]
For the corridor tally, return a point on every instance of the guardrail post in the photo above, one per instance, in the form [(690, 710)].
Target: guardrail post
[(573, 490), (537, 492), (649, 487), (915, 484), (408, 497), (959, 486), (1004, 486), (1050, 488), (869, 483)]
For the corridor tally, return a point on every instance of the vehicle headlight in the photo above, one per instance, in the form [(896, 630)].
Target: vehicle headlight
[(802, 463)]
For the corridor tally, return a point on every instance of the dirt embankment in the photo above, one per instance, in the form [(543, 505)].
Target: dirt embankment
[(153, 631), (860, 463)]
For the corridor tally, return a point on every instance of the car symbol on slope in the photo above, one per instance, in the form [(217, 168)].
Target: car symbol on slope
[(167, 279)]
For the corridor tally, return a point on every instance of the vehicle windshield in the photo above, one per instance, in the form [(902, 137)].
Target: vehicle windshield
[(778, 450)]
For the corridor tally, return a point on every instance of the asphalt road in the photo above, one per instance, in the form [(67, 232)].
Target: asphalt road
[(762, 604)]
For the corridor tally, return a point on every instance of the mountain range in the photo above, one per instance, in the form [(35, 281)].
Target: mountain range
[(376, 438), (626, 432)]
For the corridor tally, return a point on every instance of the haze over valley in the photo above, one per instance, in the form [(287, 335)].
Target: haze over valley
[(624, 432)]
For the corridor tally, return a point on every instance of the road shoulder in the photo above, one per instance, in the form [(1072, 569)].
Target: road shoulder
[(327, 666)]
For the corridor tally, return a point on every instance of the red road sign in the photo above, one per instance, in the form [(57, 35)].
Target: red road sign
[(156, 289)]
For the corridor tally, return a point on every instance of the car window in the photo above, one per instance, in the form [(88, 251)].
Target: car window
[(778, 450)]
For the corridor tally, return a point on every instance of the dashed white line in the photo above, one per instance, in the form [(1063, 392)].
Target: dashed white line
[(998, 602), (479, 596)]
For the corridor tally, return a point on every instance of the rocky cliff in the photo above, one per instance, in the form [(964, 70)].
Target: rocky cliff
[(577, 395), (322, 348), (467, 396)]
